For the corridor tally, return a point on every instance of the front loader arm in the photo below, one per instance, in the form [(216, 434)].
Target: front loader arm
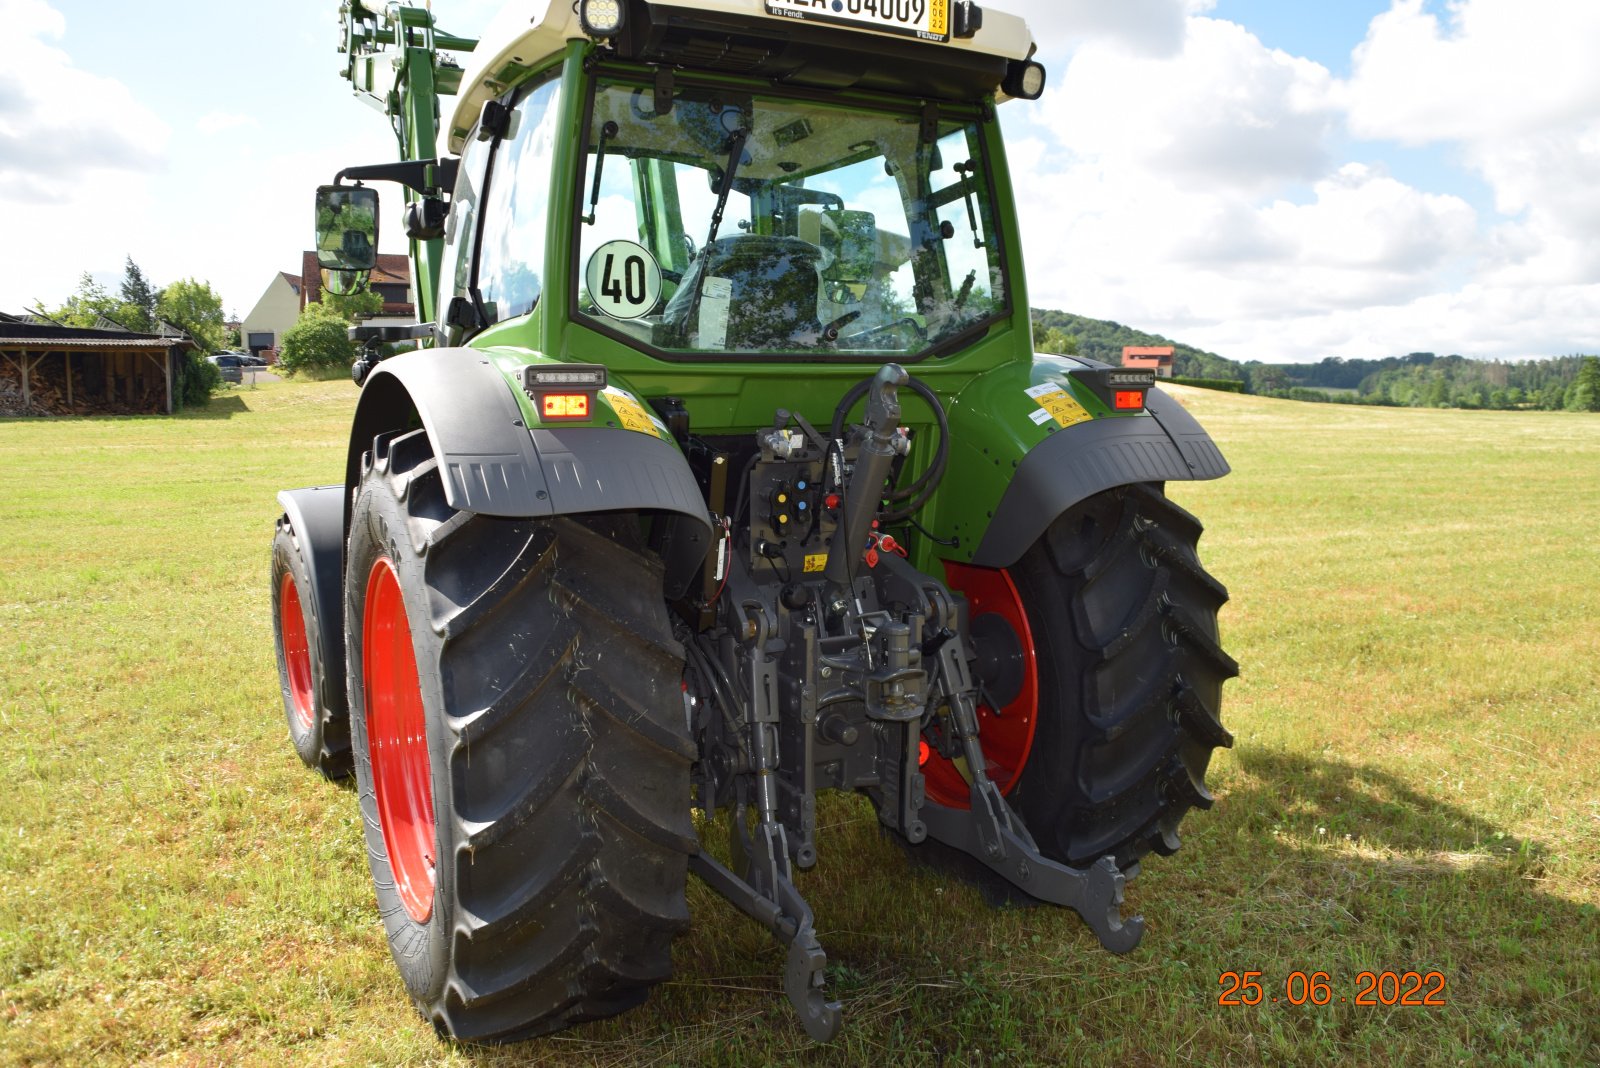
[(395, 62)]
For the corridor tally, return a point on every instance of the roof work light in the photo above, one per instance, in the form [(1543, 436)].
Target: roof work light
[(600, 18), (1024, 81)]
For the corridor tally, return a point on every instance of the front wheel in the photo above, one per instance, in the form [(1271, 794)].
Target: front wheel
[(521, 755), (310, 660), (1098, 654)]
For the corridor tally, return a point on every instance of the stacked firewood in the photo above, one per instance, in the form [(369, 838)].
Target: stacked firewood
[(47, 390), (11, 402)]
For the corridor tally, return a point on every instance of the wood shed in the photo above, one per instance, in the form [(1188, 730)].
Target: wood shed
[(48, 369)]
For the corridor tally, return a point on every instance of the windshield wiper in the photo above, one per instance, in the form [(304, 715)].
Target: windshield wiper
[(607, 132), (735, 157)]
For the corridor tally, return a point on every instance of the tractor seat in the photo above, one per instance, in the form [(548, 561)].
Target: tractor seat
[(772, 303)]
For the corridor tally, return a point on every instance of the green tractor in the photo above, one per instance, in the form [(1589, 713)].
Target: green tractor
[(723, 473)]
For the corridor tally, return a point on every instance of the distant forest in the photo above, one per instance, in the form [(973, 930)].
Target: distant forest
[(1417, 380)]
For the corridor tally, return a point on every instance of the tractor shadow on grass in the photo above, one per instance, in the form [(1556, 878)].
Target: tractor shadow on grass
[(1302, 797), (929, 974), (224, 406)]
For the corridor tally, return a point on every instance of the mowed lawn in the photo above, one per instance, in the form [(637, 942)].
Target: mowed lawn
[(1415, 784)]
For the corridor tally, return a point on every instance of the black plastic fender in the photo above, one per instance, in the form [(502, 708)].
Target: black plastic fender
[(1168, 445), (493, 464), (316, 514)]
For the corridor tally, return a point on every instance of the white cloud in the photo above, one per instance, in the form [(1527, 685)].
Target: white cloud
[(1142, 27), (58, 122), (77, 156), (1222, 112), (1209, 191), (1513, 84), (1488, 69), (215, 122)]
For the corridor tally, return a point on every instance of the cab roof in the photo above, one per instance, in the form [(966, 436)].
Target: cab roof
[(744, 37)]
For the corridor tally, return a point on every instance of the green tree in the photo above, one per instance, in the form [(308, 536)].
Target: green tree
[(87, 303), (195, 307), (317, 342), (1584, 396), (1058, 341), (354, 306), (138, 309), (198, 377), (1265, 378)]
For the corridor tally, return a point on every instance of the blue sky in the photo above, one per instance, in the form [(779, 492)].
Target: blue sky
[(1271, 179), (1324, 30)]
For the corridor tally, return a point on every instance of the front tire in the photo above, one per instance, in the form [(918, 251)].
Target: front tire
[(310, 661), (524, 779)]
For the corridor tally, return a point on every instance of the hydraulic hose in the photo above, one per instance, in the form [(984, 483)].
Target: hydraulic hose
[(922, 489)]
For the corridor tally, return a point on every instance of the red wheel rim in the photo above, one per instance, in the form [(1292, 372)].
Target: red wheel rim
[(397, 742), (296, 651), (1007, 737)]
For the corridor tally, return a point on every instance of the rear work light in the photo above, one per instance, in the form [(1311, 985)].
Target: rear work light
[(563, 390), (564, 406)]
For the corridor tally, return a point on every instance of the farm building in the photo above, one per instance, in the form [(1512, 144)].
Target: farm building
[(49, 369), (390, 279), (1157, 358), (288, 294), (279, 307)]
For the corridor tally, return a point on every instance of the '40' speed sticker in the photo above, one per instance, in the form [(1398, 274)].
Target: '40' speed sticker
[(624, 279)]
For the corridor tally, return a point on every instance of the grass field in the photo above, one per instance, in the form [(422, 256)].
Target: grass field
[(1416, 606)]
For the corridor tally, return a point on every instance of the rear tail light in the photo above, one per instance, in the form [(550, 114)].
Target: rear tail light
[(563, 390), (564, 406), (1128, 400)]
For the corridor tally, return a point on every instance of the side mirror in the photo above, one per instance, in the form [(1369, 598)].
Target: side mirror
[(344, 283), (347, 228)]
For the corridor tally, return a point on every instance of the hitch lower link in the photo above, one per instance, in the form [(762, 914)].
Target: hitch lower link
[(992, 832)]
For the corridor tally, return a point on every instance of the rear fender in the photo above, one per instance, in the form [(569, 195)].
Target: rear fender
[(1165, 445), (493, 463), (1028, 442)]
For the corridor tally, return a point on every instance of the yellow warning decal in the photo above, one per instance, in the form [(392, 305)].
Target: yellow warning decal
[(631, 413), (1056, 403), (816, 562)]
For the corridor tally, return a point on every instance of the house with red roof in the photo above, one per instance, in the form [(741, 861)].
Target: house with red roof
[(1157, 358), (287, 295)]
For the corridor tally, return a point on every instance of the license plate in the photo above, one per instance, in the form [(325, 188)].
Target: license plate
[(928, 20)]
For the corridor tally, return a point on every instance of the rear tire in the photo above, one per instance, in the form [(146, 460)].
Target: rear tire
[(1129, 678), (310, 666), (556, 755)]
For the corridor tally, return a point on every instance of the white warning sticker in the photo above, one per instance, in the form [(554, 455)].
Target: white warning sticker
[(1056, 403)]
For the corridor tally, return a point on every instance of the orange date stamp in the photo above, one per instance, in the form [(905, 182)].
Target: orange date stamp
[(1411, 989)]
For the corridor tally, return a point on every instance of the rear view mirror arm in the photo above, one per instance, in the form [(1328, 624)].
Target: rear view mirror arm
[(426, 176)]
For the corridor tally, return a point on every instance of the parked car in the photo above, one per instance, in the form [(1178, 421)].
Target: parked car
[(230, 365)]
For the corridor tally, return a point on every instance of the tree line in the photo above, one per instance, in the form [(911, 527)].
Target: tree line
[(1417, 379)]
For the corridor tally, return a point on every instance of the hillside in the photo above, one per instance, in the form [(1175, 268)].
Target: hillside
[(1103, 340), (1415, 380)]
